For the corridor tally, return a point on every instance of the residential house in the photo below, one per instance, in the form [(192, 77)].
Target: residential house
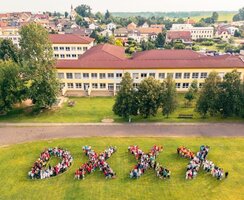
[(132, 26), (183, 36), (111, 26)]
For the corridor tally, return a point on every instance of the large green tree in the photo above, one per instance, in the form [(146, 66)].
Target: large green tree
[(207, 101), (160, 41), (40, 72), (149, 97), (12, 87), (239, 16), (230, 101), (169, 98), (8, 51), (191, 94), (84, 10), (126, 103)]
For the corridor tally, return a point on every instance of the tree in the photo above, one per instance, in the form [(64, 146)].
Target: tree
[(169, 102), (118, 42), (126, 103), (147, 45), (8, 51), (215, 16), (239, 16), (192, 92), (160, 41), (230, 95), (37, 54), (12, 87), (237, 33), (207, 101), (149, 97), (179, 45), (107, 15), (84, 10), (66, 14)]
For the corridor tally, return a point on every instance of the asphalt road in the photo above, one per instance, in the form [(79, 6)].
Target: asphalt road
[(19, 133)]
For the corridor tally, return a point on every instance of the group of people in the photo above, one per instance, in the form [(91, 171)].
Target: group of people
[(199, 160), (185, 153), (40, 169), (146, 161), (96, 161)]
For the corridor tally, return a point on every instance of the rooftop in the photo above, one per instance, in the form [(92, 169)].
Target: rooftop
[(69, 39)]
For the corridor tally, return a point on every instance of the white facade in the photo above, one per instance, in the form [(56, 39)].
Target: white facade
[(15, 38), (232, 30), (196, 32), (111, 26), (106, 33), (93, 26), (70, 51)]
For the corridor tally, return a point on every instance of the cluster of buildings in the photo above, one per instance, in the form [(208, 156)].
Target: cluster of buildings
[(142, 33)]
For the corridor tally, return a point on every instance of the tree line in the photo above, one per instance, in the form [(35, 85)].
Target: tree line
[(218, 96), (28, 72)]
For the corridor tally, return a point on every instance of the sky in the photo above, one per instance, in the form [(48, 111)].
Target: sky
[(122, 5)]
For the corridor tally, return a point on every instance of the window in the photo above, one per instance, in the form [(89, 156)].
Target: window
[(204, 75), (152, 75), (118, 75), (94, 85), (68, 55), (69, 75), (187, 75), (195, 75), (135, 75), (110, 75), (102, 76), (85, 75), (73, 48), (118, 86), (94, 75), (70, 85), (78, 85), (74, 55), (56, 55), (62, 56), (79, 48), (102, 85), (143, 75), (61, 48), (178, 75), (185, 85), (161, 75), (61, 75), (55, 48), (67, 48), (111, 87), (171, 75), (77, 75), (201, 85), (84, 48), (135, 85), (177, 85)]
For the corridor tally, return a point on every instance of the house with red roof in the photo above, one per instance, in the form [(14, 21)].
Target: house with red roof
[(99, 71), (183, 36), (70, 46)]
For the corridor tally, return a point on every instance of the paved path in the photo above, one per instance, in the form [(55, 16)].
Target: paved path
[(19, 133)]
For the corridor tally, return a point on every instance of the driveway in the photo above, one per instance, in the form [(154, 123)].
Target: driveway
[(19, 133)]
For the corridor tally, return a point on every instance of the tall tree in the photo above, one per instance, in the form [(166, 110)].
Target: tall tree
[(37, 54), (192, 92), (126, 103), (149, 97), (215, 16), (12, 87), (207, 101), (84, 10), (230, 94), (239, 16), (160, 41), (107, 15), (66, 14), (8, 51), (169, 100)]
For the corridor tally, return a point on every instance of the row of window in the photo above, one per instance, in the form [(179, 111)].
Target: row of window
[(70, 48), (85, 86), (66, 55), (187, 75), (203, 36), (201, 31)]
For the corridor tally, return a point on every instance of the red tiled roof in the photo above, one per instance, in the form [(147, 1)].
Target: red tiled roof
[(112, 57), (174, 35), (69, 39)]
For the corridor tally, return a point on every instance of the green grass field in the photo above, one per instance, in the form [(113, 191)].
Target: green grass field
[(222, 17), (17, 160), (97, 109)]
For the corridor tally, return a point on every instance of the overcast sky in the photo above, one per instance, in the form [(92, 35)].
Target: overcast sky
[(122, 5)]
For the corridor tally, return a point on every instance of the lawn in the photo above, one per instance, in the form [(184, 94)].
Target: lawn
[(98, 108), (222, 17), (17, 160)]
